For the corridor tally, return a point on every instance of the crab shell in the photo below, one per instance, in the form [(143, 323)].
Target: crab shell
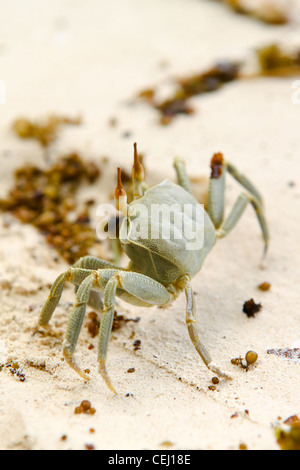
[(174, 253)]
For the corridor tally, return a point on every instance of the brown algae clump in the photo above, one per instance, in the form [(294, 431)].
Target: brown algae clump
[(268, 12), (273, 60), (289, 438), (46, 198), (44, 132), (210, 80)]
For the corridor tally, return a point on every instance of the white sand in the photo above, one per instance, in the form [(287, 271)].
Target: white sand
[(69, 59)]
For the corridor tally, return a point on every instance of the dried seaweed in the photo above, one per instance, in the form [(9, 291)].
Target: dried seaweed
[(205, 82), (46, 199), (289, 438), (269, 13), (45, 132), (275, 61), (272, 60)]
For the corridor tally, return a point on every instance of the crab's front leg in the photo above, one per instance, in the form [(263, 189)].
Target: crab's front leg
[(135, 288), (194, 335), (76, 320), (138, 290), (109, 299), (74, 275), (93, 263)]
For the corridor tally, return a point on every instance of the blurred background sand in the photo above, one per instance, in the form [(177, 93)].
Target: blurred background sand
[(67, 58)]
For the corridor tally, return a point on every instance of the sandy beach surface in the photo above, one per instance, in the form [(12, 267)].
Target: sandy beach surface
[(72, 59)]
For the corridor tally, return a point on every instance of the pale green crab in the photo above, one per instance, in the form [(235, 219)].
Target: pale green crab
[(160, 268)]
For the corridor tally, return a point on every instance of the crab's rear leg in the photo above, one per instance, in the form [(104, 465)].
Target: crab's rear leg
[(182, 177), (244, 181), (194, 335), (236, 212)]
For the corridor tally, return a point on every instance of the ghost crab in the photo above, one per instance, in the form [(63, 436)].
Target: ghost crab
[(160, 269)]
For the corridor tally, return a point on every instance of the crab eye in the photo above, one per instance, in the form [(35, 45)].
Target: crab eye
[(120, 195), (137, 169)]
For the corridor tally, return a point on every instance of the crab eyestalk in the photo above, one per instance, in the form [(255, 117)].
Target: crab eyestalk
[(121, 196), (138, 175), (137, 169)]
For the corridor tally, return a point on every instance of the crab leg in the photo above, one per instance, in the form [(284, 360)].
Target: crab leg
[(74, 275), (106, 326), (244, 181), (135, 288), (236, 212), (194, 335), (142, 290), (76, 320), (182, 177), (81, 269), (91, 262), (94, 281)]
